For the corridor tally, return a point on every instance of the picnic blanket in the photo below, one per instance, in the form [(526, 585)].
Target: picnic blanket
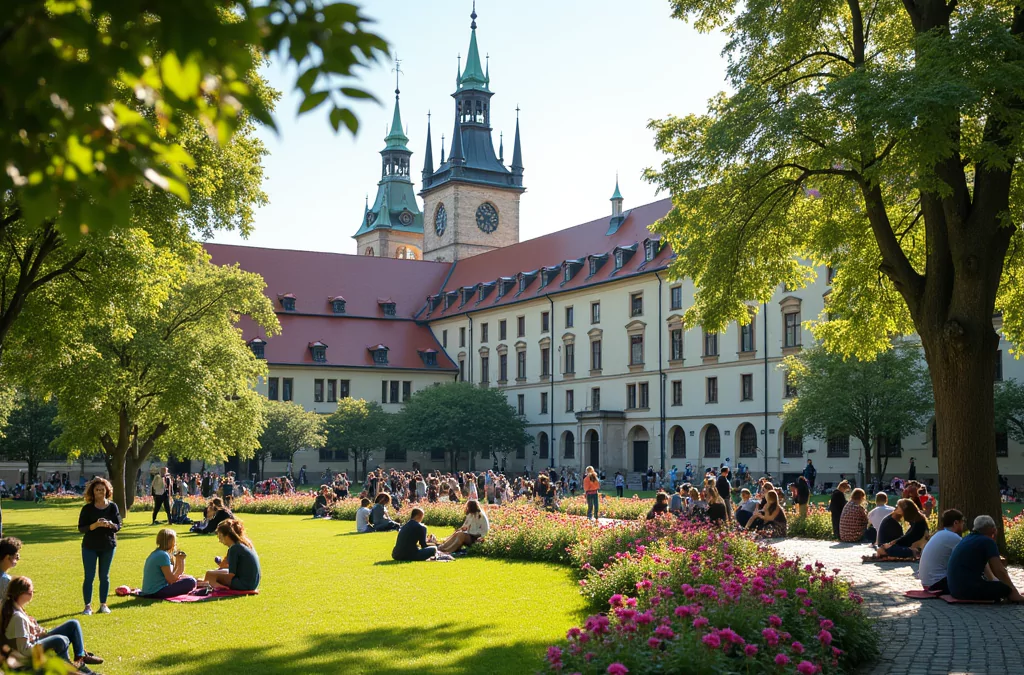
[(922, 594), (218, 594)]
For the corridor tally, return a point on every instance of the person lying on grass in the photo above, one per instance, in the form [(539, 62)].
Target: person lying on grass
[(911, 543), (163, 575), (240, 570), (413, 542), (23, 632), (474, 529)]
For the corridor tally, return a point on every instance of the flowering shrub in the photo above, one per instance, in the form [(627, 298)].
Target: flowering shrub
[(618, 508), (817, 524), (1014, 538)]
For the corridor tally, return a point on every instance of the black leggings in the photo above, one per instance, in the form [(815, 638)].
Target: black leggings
[(983, 590), (420, 555), (161, 499)]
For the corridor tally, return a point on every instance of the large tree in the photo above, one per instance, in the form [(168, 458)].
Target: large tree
[(360, 428), (29, 433), (290, 428), (881, 138), (460, 418), (886, 398)]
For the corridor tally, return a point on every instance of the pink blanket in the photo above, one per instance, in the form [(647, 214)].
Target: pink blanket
[(219, 594)]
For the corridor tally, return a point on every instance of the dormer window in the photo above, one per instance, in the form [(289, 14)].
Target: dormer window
[(257, 346), (433, 301), (503, 285), (567, 275), (318, 350), (429, 357), (380, 354), (287, 302), (619, 260), (388, 305), (338, 305), (522, 284), (649, 251), (467, 294), (593, 266)]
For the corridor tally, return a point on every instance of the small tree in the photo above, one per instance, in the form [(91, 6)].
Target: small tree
[(1009, 402), (29, 433), (459, 419), (359, 427), (889, 397), (290, 427)]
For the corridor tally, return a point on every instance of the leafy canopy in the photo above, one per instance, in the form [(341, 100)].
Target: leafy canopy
[(73, 148), (29, 433), (290, 428)]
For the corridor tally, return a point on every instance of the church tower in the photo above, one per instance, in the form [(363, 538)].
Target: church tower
[(471, 202), (393, 226)]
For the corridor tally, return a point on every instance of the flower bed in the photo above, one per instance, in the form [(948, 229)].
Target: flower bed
[(618, 508)]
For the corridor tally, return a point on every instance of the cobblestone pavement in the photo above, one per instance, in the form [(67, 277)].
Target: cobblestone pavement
[(923, 637)]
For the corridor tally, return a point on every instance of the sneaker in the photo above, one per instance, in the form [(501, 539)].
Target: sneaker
[(104, 609), (88, 610)]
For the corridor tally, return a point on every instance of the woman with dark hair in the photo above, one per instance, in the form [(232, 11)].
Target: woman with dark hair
[(472, 530), (769, 517), (99, 522), (717, 512), (216, 513), (660, 506), (23, 633), (379, 518), (240, 569), (910, 544), (803, 496), (837, 504)]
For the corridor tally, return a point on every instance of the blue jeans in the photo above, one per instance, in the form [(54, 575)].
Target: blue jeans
[(592, 505), (89, 559), (65, 636)]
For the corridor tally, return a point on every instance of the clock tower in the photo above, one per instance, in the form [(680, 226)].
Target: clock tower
[(471, 202)]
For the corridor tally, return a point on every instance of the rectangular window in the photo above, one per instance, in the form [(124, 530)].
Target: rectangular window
[(462, 370), (710, 344), (543, 403), (792, 329), (286, 393), (383, 391), (595, 355), (746, 387), (502, 329), (485, 367), (521, 326), (394, 391), (406, 390), (444, 339), (747, 337), (636, 350), (521, 365), (645, 395), (676, 297), (272, 388), (483, 333), (595, 398), (545, 362), (790, 390), (462, 336), (545, 322), (677, 392), (630, 396), (675, 344), (570, 358), (318, 391), (502, 367), (568, 317), (343, 389), (595, 312), (999, 366), (636, 304), (570, 400), (521, 399), (712, 389), (332, 391), (838, 446)]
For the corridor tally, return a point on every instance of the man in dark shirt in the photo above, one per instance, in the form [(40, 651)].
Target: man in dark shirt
[(810, 473), (725, 490), (912, 472), (412, 542), (975, 571)]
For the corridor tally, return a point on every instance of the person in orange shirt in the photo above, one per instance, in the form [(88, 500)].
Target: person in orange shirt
[(591, 486)]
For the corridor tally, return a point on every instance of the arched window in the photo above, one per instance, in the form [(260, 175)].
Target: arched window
[(542, 445), (369, 251), (570, 445), (792, 446), (748, 441), (678, 442), (712, 442)]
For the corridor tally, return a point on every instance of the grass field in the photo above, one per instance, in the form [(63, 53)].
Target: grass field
[(330, 601)]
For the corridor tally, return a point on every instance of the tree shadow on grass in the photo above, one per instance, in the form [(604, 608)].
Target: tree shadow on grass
[(374, 650), (38, 533)]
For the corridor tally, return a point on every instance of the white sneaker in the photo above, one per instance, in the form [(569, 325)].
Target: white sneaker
[(104, 609), (88, 610)]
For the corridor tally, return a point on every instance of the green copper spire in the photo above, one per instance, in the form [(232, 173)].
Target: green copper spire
[(616, 195), (473, 77), (396, 138)]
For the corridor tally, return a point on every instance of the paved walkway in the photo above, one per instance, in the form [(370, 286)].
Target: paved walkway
[(923, 637)]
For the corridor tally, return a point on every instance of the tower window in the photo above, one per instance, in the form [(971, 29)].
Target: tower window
[(338, 305), (257, 346)]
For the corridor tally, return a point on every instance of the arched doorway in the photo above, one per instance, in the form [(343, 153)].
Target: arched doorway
[(639, 441), (678, 437), (569, 445), (747, 441), (542, 445), (593, 449), (712, 442)]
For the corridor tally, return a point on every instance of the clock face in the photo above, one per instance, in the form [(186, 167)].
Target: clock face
[(487, 218), (440, 220), (405, 218), (370, 217)]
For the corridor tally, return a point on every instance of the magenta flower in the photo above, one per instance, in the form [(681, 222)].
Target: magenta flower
[(797, 647), (780, 659), (700, 622), (750, 651), (771, 636), (615, 600), (801, 592), (554, 655), (664, 632), (774, 620), (712, 640), (826, 624), (653, 643), (617, 669), (806, 668), (825, 637)]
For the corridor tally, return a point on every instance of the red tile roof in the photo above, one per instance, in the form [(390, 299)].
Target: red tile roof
[(528, 258)]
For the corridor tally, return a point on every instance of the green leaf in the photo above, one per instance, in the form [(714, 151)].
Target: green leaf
[(312, 101), (182, 79), (339, 115), (352, 92)]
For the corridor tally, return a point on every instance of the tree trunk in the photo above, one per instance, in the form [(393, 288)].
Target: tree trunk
[(33, 469), (117, 480)]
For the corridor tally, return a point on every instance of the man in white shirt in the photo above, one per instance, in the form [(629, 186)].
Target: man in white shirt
[(877, 514), (363, 516), (935, 556)]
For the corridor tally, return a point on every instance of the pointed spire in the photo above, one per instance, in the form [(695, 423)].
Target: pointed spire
[(473, 77), (384, 215), (616, 194), (442, 150), (396, 138), (517, 151), (616, 199), (501, 147), (428, 159), (487, 70), (458, 70), (456, 156)]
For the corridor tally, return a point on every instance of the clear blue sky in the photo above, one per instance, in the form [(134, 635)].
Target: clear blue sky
[(587, 75)]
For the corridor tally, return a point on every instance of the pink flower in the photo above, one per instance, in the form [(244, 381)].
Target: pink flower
[(826, 624), (750, 650), (615, 600), (801, 592), (645, 618), (797, 647), (664, 632), (775, 620), (712, 640), (806, 668), (731, 635), (617, 669), (771, 636), (780, 660), (573, 633), (700, 622), (643, 585), (554, 655), (825, 637)]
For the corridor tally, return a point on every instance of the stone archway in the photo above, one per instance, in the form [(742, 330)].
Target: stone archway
[(593, 445)]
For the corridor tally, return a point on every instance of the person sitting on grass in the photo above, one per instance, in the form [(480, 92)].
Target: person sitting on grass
[(10, 554), (717, 513), (746, 508), (379, 518), (363, 517), (677, 502), (936, 553), (660, 506), (162, 578), (240, 570), (853, 521), (216, 513), (769, 516), (836, 505), (876, 515), (24, 633), (322, 503), (975, 571), (910, 544), (413, 542), (474, 529), (697, 508)]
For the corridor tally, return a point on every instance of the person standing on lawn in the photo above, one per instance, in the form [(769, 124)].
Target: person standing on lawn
[(161, 490), (99, 521), (724, 488), (803, 496), (912, 472), (810, 473), (620, 483), (836, 505), (592, 486)]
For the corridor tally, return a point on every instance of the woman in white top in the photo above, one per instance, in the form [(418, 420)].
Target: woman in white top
[(23, 632), (474, 529)]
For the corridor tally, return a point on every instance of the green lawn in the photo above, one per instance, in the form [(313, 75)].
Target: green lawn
[(330, 601)]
